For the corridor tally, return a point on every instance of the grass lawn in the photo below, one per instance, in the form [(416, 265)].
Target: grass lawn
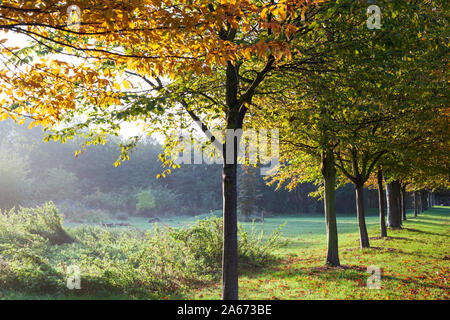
[(414, 261)]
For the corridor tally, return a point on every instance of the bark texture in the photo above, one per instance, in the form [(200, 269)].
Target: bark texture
[(363, 235), (329, 177), (423, 201), (230, 288), (381, 204), (230, 246), (403, 201), (393, 205), (416, 203)]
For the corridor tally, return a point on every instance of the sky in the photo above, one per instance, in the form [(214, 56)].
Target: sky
[(128, 129)]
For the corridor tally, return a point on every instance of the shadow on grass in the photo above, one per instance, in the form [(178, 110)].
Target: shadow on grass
[(434, 217), (418, 283), (434, 214), (431, 224), (426, 232), (356, 273), (390, 238)]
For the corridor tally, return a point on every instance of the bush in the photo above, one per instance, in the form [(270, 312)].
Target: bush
[(167, 201), (111, 201), (91, 216), (121, 216), (145, 202), (157, 201), (22, 228), (205, 239), (71, 209), (151, 264)]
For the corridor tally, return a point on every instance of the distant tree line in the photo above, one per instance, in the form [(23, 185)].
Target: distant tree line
[(34, 172)]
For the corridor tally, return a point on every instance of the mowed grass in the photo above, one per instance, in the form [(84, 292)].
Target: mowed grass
[(414, 262), (294, 227)]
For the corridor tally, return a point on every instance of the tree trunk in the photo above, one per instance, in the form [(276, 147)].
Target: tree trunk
[(230, 246), (329, 177), (416, 203), (403, 201), (363, 236), (419, 201), (393, 205), (230, 276), (423, 201), (381, 204), (398, 192)]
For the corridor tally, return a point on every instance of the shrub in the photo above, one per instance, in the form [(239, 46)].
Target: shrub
[(22, 227), (167, 201), (111, 201), (91, 216), (71, 209), (145, 201), (152, 264), (205, 240), (157, 201)]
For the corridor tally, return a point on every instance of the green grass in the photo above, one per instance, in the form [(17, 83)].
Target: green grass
[(295, 226), (414, 261)]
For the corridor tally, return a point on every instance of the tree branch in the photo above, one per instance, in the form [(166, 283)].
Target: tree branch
[(202, 126)]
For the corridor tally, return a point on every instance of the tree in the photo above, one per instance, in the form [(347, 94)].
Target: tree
[(210, 61), (153, 38), (15, 184), (250, 193), (374, 96), (393, 204), (381, 203), (146, 201), (60, 185)]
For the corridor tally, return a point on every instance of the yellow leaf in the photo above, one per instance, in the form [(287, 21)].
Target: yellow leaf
[(264, 13), (127, 84), (45, 122), (4, 117)]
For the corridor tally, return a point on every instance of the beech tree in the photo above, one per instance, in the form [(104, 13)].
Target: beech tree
[(381, 203), (158, 42)]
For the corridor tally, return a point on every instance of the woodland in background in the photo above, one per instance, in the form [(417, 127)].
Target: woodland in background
[(34, 172)]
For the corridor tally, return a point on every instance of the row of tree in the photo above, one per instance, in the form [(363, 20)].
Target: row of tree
[(347, 99)]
